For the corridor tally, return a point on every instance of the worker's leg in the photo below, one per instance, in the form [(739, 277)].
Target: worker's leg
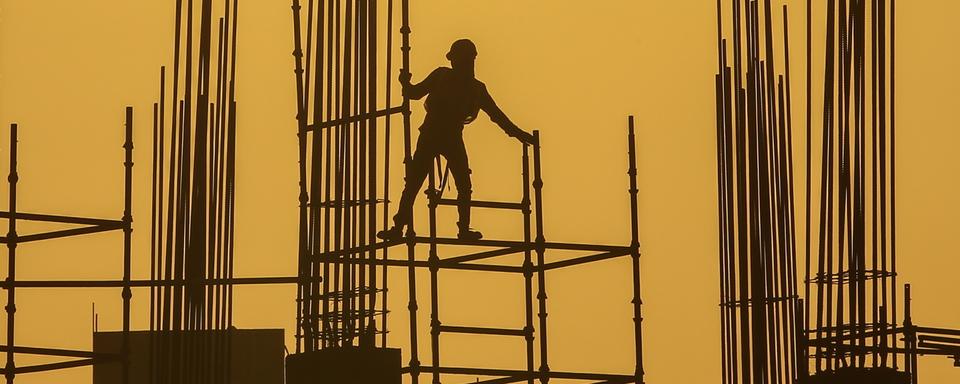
[(416, 173), (456, 155)]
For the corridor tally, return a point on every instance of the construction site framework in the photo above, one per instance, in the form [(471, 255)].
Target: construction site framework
[(86, 226), (341, 127)]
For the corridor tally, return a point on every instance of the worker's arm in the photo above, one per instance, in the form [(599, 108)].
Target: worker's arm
[(421, 89), (497, 116)]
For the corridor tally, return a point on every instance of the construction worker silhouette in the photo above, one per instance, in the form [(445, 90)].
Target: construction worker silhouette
[(454, 98)]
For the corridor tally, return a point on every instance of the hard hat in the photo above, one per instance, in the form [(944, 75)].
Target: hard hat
[(462, 49)]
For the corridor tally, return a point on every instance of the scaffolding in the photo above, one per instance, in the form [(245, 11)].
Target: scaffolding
[(86, 226), (344, 116)]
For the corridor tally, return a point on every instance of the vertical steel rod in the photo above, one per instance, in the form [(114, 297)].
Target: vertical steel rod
[(910, 336), (634, 252), (127, 232), (893, 170), (528, 266), (386, 162), (11, 306), (303, 198), (434, 262), (154, 181), (372, 171), (807, 195), (411, 255), (539, 246)]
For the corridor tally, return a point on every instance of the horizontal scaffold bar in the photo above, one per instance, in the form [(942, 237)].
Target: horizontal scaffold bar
[(354, 119), (56, 352), (334, 254), (59, 219), (512, 379), (518, 245), (487, 254), (864, 350), (507, 247), (937, 331), (422, 264), (946, 349), (502, 380), (525, 375), (62, 233), (484, 331), (586, 259), (954, 342), (152, 283), (833, 340), (512, 243), (56, 366), (487, 204)]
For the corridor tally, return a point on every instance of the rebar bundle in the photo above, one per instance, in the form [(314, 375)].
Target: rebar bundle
[(192, 229), (341, 296), (854, 285), (758, 297)]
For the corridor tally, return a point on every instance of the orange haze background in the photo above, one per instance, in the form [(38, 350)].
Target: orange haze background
[(572, 69)]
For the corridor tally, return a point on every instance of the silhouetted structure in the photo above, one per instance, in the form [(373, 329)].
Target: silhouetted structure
[(81, 226), (344, 126), (853, 331), (758, 294), (255, 356), (345, 365), (849, 329), (193, 201), (853, 324)]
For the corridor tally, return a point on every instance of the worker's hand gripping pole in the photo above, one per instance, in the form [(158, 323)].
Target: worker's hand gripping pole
[(523, 136)]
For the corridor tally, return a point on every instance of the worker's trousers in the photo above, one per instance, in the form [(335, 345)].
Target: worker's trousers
[(429, 145)]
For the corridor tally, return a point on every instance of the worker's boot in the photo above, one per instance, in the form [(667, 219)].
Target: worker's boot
[(394, 233), (463, 208), (467, 234)]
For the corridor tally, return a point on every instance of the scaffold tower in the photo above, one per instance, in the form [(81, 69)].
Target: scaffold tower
[(344, 66), (79, 226)]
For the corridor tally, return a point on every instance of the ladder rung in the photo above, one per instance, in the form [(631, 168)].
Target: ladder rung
[(483, 331), (486, 204)]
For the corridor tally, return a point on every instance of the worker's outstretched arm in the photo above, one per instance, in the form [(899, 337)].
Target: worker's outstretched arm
[(421, 89), (497, 116)]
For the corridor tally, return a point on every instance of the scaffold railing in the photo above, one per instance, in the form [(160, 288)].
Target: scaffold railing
[(13, 239)]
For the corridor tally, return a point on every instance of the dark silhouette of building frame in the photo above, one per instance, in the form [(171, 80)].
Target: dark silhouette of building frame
[(342, 309)]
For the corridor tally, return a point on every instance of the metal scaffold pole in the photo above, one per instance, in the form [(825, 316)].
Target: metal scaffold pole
[(302, 197), (11, 307), (541, 250), (84, 226), (127, 219), (528, 267), (407, 158), (637, 301), (433, 261)]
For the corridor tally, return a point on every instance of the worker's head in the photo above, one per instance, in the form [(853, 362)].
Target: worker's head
[(462, 54)]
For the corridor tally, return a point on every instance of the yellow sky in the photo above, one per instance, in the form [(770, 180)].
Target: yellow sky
[(573, 70)]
